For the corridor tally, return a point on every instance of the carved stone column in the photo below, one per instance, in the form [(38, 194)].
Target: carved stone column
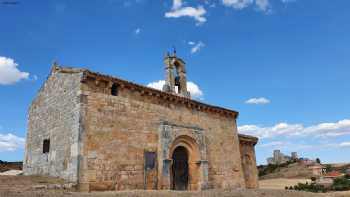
[(166, 180)]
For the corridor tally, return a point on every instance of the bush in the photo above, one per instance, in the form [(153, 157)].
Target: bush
[(309, 187), (329, 168), (270, 168), (341, 184), (318, 160)]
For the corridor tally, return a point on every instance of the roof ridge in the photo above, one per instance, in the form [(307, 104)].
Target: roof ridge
[(90, 73)]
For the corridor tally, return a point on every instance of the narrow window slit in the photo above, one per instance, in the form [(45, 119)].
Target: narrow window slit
[(46, 146), (114, 89)]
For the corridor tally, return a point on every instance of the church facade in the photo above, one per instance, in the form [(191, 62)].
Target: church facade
[(105, 133)]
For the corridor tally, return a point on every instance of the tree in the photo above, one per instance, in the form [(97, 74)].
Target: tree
[(328, 168), (318, 160)]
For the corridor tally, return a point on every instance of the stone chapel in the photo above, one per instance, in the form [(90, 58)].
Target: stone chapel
[(105, 133)]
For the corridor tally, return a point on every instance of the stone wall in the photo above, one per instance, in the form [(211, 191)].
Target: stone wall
[(99, 140), (119, 129), (247, 144), (54, 115)]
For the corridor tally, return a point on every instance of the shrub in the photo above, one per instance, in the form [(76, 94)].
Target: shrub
[(328, 168), (341, 184), (309, 187)]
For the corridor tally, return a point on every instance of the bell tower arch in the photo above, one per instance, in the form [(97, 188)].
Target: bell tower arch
[(175, 75)]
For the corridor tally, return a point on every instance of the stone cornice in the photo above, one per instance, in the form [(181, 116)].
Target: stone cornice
[(247, 139), (87, 74)]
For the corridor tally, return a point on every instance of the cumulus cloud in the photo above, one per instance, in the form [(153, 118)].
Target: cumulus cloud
[(292, 146), (334, 129), (179, 11), (288, 1), (193, 88), (10, 142), (196, 47), (9, 73), (177, 4), (272, 144), (191, 43), (137, 31), (344, 144), (285, 145), (258, 101), (237, 4), (157, 84), (263, 5)]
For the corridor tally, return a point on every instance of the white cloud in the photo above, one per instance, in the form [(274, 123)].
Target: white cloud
[(258, 101), (157, 84), (344, 144), (177, 4), (9, 72), (191, 43), (285, 145), (272, 144), (288, 1), (339, 128), (196, 46), (193, 88), (263, 5), (179, 11), (137, 31), (10, 142), (237, 4)]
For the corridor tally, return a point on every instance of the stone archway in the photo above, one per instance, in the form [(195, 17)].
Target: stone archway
[(186, 151), (192, 141)]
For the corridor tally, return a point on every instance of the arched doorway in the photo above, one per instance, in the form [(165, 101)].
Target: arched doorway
[(185, 158), (180, 169)]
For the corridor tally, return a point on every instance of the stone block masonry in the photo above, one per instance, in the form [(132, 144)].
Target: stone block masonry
[(95, 130)]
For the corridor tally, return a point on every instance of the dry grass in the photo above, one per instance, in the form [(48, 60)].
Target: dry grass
[(22, 186), (210, 193), (280, 183)]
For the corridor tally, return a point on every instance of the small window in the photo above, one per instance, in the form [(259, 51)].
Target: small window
[(150, 160), (114, 90), (46, 146)]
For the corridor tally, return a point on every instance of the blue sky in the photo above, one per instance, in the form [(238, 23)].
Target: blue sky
[(283, 64)]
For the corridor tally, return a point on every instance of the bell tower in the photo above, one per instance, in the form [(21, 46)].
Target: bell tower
[(175, 75)]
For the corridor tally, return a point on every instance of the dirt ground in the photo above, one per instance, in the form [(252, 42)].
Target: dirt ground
[(33, 186), (280, 183)]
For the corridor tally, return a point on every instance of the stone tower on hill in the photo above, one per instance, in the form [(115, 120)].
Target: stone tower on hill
[(105, 133)]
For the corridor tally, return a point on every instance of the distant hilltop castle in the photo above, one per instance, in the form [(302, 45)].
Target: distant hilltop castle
[(280, 158)]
